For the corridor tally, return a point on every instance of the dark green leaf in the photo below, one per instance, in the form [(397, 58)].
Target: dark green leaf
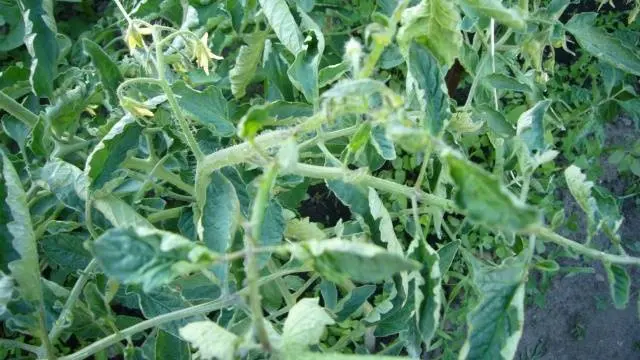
[(353, 301), (163, 301), (504, 82), (271, 230), (332, 73), (496, 121), (107, 69), (483, 199), (66, 250), (171, 347), (219, 214), (446, 254), (429, 87), (207, 107), (13, 34)]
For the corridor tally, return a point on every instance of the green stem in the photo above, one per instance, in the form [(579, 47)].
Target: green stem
[(173, 102), (20, 345), (50, 350), (18, 111), (161, 173), (251, 265), (74, 295), (549, 235), (166, 214)]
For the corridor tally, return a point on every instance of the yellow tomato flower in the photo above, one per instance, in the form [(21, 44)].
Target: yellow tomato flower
[(203, 54)]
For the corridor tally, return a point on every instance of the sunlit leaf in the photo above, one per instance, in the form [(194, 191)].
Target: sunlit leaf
[(305, 323), (283, 23), (246, 63), (211, 340), (495, 9)]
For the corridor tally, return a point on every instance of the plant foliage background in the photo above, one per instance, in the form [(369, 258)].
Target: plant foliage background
[(303, 179)]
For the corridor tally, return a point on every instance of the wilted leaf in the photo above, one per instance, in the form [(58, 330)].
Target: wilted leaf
[(580, 188), (246, 63)]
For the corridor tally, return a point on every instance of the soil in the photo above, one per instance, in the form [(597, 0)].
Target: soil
[(578, 320)]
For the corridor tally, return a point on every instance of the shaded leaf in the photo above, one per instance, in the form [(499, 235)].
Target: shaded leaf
[(66, 250), (163, 301), (219, 213), (353, 301), (428, 292), (107, 69), (168, 346), (531, 126), (446, 254), (619, 285), (271, 230)]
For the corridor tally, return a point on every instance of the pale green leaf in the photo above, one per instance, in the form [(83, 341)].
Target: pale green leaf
[(208, 107), (428, 84), (495, 324), (485, 200), (211, 340), (118, 212), (162, 301), (6, 291), (303, 230), (283, 23), (332, 73), (305, 323), (297, 355), (531, 126), (580, 189), (338, 260), (387, 232), (382, 143), (15, 218), (433, 23), (40, 39), (103, 164), (107, 69), (619, 285), (600, 44), (495, 9), (246, 63)]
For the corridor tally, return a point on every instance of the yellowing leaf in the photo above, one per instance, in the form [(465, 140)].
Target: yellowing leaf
[(305, 323), (211, 340)]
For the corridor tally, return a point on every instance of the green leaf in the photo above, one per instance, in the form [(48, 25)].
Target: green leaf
[(446, 254), (283, 23), (15, 218), (505, 82), (580, 189), (495, 324), (353, 301), (332, 73), (219, 213), (271, 230), (66, 182), (531, 126), (305, 324), (600, 44), (619, 285), (496, 121), (64, 114), (428, 84), (211, 340), (170, 347), (207, 107), (303, 230), (256, 118), (40, 39), (107, 69), (297, 355), (434, 24), (162, 301), (13, 34), (143, 256), (338, 260), (387, 232), (494, 9), (66, 250), (382, 143), (484, 200), (119, 213), (303, 72), (548, 266), (428, 292), (246, 63), (104, 162), (6, 291)]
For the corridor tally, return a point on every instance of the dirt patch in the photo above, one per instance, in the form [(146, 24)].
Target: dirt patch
[(578, 319)]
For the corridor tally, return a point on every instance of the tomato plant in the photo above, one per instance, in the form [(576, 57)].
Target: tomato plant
[(302, 179)]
